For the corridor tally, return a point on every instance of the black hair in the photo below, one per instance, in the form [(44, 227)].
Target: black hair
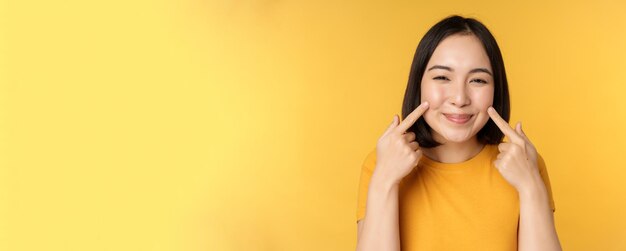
[(490, 133)]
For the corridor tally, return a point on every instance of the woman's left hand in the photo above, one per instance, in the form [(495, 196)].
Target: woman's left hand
[(517, 161)]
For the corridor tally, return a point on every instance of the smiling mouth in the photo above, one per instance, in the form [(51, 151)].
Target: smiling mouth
[(458, 118)]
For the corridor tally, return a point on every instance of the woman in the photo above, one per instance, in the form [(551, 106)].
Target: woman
[(442, 179)]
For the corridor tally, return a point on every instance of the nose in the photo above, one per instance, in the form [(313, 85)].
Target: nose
[(459, 94)]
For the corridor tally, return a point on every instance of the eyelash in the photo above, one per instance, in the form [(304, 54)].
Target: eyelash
[(478, 80)]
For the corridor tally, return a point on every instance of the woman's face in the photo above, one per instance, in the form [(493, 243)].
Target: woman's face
[(458, 84)]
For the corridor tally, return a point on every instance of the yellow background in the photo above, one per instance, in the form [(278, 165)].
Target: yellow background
[(242, 125)]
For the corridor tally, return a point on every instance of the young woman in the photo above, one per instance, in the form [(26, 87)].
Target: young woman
[(442, 178)]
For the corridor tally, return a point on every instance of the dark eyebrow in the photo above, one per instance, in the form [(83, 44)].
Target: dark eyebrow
[(450, 69), (440, 67), (481, 70)]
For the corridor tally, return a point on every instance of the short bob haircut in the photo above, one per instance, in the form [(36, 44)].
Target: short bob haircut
[(490, 133)]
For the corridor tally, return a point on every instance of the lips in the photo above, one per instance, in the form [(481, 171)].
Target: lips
[(458, 118)]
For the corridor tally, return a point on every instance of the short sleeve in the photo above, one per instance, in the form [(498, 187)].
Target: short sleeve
[(366, 174), (543, 171)]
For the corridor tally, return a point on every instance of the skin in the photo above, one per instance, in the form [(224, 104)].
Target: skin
[(517, 163), (457, 81)]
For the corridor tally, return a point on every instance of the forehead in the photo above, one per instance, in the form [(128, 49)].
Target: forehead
[(460, 51)]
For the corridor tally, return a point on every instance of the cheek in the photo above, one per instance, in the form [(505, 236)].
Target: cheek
[(434, 96), (483, 98)]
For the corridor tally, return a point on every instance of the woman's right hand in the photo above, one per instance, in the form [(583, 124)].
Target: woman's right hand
[(397, 152)]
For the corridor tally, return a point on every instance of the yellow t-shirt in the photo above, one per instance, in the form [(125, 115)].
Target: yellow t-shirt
[(459, 206)]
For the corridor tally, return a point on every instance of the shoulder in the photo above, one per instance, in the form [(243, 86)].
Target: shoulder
[(369, 163), (543, 171), (490, 153)]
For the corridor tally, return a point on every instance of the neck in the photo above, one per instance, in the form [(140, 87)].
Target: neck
[(454, 152)]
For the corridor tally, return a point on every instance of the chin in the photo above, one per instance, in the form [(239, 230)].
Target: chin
[(456, 139)]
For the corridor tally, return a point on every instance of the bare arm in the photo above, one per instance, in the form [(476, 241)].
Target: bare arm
[(536, 226), (397, 154), (379, 229), (518, 164)]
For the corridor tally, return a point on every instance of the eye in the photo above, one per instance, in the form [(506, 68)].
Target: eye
[(478, 80), (441, 78)]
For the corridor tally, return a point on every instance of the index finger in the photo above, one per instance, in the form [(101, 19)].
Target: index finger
[(503, 125), (412, 117)]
